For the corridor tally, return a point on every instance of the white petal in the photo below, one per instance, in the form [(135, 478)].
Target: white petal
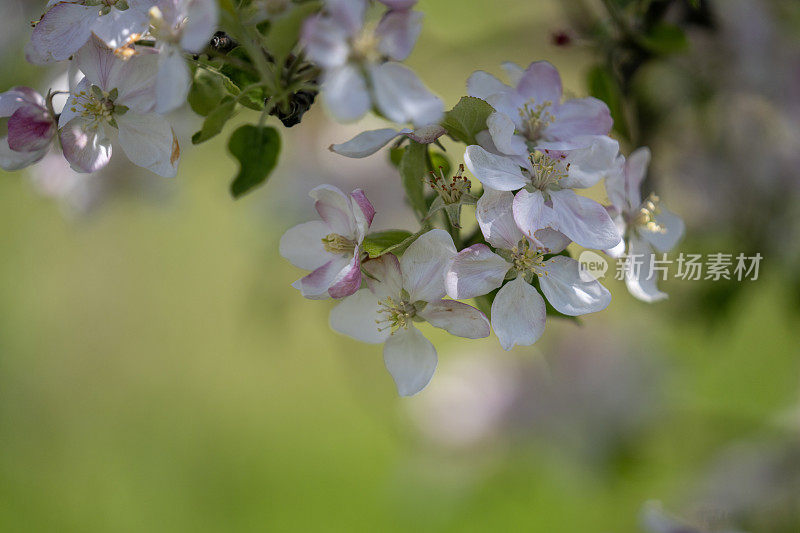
[(513, 71), (483, 85), (639, 278), (502, 128), (119, 28), (583, 220), (345, 93), (496, 219), (518, 314), (173, 81), (366, 143), (475, 271), (302, 245), (541, 83), (401, 97), (316, 285), (424, 264), (17, 97), (335, 209), (494, 171), (411, 360), (588, 164), (384, 278), (530, 213), (356, 316), (61, 32), (348, 14), (457, 318), (201, 23), (399, 31), (11, 160), (87, 149), (672, 227), (149, 142), (325, 42), (568, 292), (579, 116), (635, 171)]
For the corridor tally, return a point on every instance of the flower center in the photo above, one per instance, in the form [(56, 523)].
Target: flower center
[(547, 172), (97, 105), (395, 314), (364, 46), (536, 117), (337, 244), (646, 217), (526, 260), (450, 190)]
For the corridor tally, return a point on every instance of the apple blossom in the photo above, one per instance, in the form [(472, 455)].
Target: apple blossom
[(68, 25), (518, 310), (532, 112), (331, 247), (401, 292), (117, 98), (31, 128), (647, 225), (360, 63), (545, 182)]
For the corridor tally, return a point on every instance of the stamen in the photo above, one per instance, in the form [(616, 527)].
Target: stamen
[(547, 171), (364, 46), (647, 213), (337, 244), (397, 314), (536, 118), (527, 260), (96, 105)]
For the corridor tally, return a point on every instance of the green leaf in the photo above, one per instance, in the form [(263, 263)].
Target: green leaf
[(666, 39), (439, 160), (376, 244), (256, 148), (242, 78), (467, 119), (284, 31), (413, 168), (216, 120), (603, 86), (395, 156), (206, 92)]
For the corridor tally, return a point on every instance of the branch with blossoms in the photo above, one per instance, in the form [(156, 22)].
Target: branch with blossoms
[(530, 149)]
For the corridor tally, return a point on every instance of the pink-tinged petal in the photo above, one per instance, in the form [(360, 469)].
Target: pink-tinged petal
[(201, 23), (642, 283), (583, 220), (335, 209), (399, 4), (509, 103), (17, 97), (61, 32), (149, 142), (518, 314), (357, 316), (496, 219), (457, 318), (541, 83), (399, 31), (513, 72), (530, 213), (364, 213), (86, 149), (366, 143), (345, 93), (348, 281), (635, 171), (502, 128), (315, 285), (475, 271), (568, 292), (424, 264), (401, 97), (11, 160), (579, 116), (483, 85), (671, 231), (302, 245), (384, 277), (411, 360), (173, 80), (550, 240), (494, 171), (588, 164), (348, 14), (325, 42), (120, 28), (30, 129)]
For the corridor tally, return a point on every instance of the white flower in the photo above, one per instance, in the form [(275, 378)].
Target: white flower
[(646, 225), (31, 128), (545, 182), (532, 112), (400, 293), (360, 63), (518, 311), (68, 25), (367, 143), (116, 98), (178, 26), (330, 247)]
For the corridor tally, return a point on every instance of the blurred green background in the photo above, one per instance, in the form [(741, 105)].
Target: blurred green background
[(158, 373)]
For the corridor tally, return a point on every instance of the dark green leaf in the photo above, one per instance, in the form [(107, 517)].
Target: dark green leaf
[(256, 148), (666, 39), (206, 92), (244, 78), (395, 156), (216, 120), (467, 119), (375, 244), (413, 168), (439, 160)]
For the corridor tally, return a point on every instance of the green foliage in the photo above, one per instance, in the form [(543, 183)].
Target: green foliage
[(284, 31), (439, 160), (665, 39), (207, 91), (467, 119), (216, 120), (379, 243), (242, 73), (603, 86), (413, 167), (257, 149)]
